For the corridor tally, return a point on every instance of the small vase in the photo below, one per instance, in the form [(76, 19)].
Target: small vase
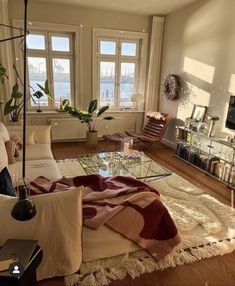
[(91, 139)]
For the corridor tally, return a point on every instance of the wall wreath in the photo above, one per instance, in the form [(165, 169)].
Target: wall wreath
[(171, 88)]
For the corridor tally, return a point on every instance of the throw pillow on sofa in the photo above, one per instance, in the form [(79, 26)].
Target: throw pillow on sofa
[(11, 151), (4, 133), (6, 187), (29, 138), (42, 134), (18, 141)]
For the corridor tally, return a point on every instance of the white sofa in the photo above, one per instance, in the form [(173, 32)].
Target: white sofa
[(58, 222), (39, 158)]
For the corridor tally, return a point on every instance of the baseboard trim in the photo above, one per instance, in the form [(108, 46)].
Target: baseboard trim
[(168, 143)]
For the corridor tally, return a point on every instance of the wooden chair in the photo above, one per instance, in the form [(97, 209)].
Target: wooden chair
[(152, 132)]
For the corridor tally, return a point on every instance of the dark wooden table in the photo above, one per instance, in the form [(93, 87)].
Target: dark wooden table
[(28, 278)]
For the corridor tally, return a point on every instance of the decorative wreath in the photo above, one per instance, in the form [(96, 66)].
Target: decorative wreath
[(171, 87)]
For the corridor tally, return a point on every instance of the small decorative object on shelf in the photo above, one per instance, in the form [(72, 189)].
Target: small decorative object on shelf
[(213, 119), (60, 105), (188, 122), (202, 128)]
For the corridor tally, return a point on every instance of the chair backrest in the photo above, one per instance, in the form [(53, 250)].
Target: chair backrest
[(156, 124)]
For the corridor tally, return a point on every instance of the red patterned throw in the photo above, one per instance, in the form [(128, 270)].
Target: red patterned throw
[(126, 205)]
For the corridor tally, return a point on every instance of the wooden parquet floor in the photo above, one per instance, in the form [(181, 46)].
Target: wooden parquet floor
[(209, 272)]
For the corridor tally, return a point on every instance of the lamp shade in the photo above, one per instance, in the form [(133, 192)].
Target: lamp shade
[(137, 97), (24, 209)]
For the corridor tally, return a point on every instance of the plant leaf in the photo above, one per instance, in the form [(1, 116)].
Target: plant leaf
[(45, 89), (15, 92), (102, 110), (3, 74), (92, 106), (8, 108)]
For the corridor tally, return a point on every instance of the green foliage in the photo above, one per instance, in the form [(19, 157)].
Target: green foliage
[(45, 89), (87, 116), (3, 74), (92, 106), (15, 104)]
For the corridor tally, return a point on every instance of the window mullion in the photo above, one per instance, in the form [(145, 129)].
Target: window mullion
[(118, 75)]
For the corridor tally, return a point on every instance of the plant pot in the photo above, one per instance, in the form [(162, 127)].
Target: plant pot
[(91, 139)]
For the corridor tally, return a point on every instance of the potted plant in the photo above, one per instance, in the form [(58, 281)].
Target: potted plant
[(88, 118), (15, 104)]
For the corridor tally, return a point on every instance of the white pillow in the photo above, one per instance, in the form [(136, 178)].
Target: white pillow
[(3, 155), (29, 138), (42, 134), (4, 133), (57, 226)]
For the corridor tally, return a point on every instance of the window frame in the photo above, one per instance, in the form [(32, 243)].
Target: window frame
[(140, 60), (74, 33)]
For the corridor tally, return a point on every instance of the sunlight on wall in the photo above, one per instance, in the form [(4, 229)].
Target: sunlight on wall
[(199, 70), (232, 84), (194, 95)]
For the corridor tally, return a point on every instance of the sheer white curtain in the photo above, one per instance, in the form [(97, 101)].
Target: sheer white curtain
[(6, 58), (153, 83)]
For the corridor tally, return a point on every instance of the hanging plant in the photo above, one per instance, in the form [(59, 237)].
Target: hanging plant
[(171, 88)]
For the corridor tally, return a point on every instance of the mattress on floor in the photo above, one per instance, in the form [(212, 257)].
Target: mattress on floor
[(104, 242)]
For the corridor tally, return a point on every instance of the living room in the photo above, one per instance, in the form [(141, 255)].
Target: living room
[(147, 63)]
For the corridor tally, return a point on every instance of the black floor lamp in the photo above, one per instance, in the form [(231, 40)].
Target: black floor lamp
[(24, 209)]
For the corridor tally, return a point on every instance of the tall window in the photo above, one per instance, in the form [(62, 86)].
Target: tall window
[(50, 56), (118, 68)]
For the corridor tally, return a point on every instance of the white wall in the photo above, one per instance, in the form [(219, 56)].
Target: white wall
[(199, 45)]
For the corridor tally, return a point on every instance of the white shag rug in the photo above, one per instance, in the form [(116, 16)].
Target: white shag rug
[(207, 228)]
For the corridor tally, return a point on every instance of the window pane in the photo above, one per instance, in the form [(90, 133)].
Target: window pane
[(37, 74), (60, 44), (129, 49), (36, 42), (108, 48), (127, 83), (107, 83), (62, 80)]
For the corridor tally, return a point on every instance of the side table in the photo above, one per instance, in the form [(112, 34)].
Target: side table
[(21, 249)]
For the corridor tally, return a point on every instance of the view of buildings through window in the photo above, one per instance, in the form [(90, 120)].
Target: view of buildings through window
[(50, 57), (118, 66)]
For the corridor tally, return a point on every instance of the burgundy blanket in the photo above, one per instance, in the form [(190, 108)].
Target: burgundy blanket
[(125, 204)]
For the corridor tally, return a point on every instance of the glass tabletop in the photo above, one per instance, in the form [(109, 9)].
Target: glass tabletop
[(117, 164)]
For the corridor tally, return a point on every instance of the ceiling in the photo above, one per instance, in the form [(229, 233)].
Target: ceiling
[(144, 7)]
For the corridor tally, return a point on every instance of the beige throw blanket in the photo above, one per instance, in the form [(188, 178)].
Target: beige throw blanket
[(125, 204)]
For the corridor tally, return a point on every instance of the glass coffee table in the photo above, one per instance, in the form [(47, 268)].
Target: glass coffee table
[(116, 164)]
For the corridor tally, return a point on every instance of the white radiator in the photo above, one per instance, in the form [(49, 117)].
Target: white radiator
[(71, 129), (63, 129)]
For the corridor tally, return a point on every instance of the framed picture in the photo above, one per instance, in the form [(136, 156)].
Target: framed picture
[(198, 113)]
